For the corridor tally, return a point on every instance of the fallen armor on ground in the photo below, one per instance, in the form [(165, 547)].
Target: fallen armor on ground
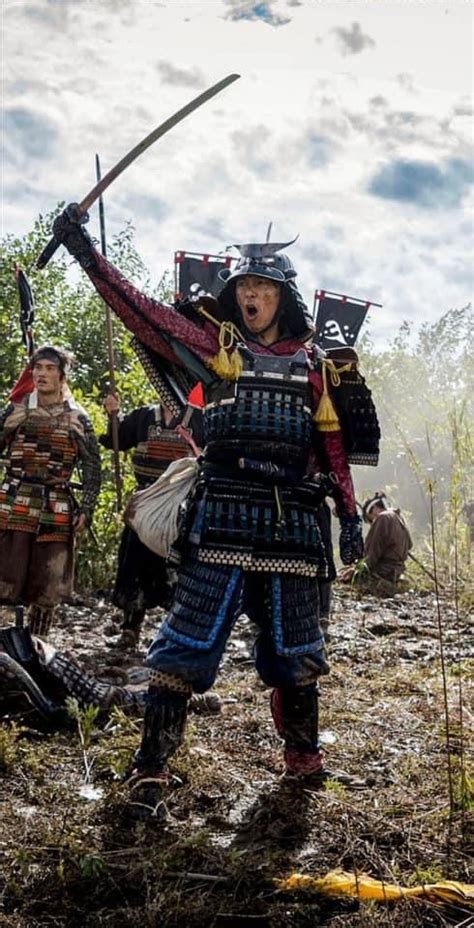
[(33, 668)]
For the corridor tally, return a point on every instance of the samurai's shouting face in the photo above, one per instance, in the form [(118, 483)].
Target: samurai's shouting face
[(258, 299)]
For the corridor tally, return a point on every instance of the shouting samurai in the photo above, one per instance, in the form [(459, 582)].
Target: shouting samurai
[(251, 541)]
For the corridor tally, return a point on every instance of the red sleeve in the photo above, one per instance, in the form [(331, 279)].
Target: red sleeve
[(335, 458), (152, 322)]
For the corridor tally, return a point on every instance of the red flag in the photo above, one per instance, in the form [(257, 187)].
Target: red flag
[(196, 397), (23, 385)]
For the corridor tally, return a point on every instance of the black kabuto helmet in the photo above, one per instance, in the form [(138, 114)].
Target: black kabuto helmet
[(264, 260)]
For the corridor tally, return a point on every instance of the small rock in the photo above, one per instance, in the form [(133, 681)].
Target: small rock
[(111, 629), (90, 792)]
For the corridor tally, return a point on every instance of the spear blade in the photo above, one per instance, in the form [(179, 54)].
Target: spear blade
[(142, 146)]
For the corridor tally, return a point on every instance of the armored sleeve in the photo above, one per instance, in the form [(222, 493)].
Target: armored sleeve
[(156, 325), (89, 458), (344, 493), (333, 458), (132, 428)]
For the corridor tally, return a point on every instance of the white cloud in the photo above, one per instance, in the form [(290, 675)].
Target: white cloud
[(298, 140), (353, 41)]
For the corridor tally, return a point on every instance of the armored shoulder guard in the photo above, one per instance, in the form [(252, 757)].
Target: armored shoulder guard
[(355, 407)]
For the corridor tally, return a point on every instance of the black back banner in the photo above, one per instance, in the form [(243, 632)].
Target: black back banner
[(196, 274), (27, 309), (338, 319)]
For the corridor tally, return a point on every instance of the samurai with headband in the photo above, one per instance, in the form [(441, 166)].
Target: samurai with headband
[(44, 434), (251, 541), (386, 548)]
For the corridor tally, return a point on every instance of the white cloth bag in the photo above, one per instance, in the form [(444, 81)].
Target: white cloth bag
[(153, 513)]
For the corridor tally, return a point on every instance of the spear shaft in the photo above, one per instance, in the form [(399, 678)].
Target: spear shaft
[(110, 351)]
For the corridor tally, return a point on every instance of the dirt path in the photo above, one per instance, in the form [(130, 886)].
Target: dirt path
[(70, 856)]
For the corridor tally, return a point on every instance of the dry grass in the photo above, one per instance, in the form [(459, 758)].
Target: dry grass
[(235, 823)]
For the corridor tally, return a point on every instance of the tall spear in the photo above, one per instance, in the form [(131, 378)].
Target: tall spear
[(110, 351)]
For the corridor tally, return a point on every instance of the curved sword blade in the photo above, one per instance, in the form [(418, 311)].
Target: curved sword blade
[(151, 138), (142, 146)]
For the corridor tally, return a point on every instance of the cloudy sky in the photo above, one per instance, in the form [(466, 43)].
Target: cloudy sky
[(351, 125)]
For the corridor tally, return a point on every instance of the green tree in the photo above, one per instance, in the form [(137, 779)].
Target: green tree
[(69, 313), (422, 385)]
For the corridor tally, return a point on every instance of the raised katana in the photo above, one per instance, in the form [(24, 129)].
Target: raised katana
[(142, 146)]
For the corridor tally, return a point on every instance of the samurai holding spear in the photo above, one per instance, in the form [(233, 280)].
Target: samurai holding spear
[(143, 580), (44, 434)]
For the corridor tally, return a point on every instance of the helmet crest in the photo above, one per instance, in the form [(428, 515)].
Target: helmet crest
[(263, 260)]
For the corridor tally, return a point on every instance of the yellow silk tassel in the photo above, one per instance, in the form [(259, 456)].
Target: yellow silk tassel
[(236, 363), (225, 365), (325, 417), (220, 364), (362, 886)]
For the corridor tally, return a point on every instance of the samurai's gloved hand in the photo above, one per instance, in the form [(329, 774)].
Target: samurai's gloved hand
[(351, 542), (68, 228)]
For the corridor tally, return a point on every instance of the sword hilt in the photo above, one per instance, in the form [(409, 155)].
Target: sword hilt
[(74, 213)]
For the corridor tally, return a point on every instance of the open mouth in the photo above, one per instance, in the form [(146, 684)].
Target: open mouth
[(251, 311)]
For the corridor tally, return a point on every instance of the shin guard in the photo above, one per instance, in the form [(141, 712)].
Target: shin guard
[(295, 714), (163, 731), (40, 619)]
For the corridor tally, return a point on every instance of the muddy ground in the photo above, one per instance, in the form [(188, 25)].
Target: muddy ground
[(70, 856)]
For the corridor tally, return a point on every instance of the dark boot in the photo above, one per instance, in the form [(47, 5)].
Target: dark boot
[(15, 679), (295, 713), (131, 628), (163, 732)]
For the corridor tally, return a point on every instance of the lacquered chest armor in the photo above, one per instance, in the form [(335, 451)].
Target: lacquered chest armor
[(43, 447), (153, 455), (265, 415), (253, 506), (34, 496)]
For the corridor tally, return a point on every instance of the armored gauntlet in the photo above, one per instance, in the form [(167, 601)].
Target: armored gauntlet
[(351, 543), (68, 229)]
